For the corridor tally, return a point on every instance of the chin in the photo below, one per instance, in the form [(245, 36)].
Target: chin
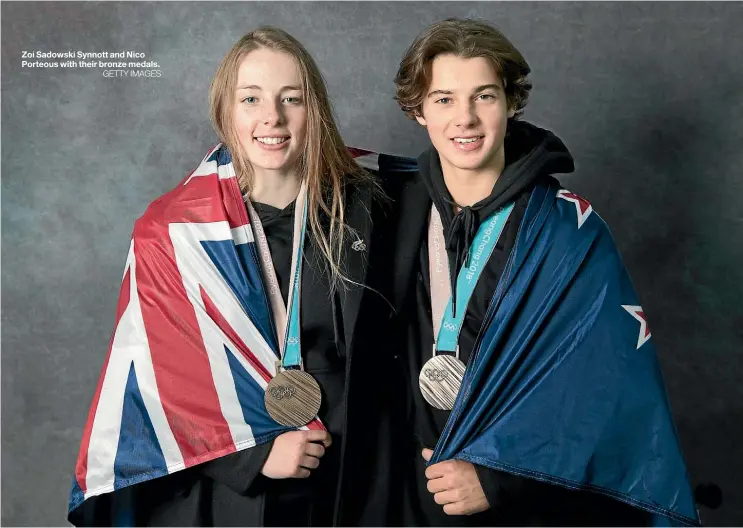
[(465, 163), (468, 167), (280, 167), (271, 162)]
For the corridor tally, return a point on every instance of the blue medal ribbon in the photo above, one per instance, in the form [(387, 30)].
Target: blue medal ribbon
[(293, 353), (479, 253)]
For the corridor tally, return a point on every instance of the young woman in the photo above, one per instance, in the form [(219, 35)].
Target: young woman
[(242, 385)]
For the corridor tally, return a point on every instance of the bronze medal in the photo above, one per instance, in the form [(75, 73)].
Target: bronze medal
[(440, 380), (292, 398)]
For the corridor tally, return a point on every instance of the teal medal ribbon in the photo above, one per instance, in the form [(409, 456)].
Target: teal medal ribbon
[(441, 376), (292, 397)]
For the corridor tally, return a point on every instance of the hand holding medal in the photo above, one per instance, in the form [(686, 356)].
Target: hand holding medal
[(296, 453)]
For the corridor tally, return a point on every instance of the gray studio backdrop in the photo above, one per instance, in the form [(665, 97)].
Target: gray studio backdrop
[(648, 97)]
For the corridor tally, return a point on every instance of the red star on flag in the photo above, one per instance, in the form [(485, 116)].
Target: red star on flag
[(357, 152), (581, 204), (365, 158), (637, 313)]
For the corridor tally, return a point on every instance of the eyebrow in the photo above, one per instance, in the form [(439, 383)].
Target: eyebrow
[(479, 89), (256, 87), (440, 92), (488, 87)]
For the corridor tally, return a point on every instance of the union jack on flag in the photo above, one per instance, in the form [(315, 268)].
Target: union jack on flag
[(194, 344)]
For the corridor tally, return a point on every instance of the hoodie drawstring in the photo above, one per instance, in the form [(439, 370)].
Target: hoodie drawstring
[(459, 237)]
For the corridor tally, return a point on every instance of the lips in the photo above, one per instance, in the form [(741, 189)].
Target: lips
[(468, 143), (466, 139), (272, 143), (271, 140)]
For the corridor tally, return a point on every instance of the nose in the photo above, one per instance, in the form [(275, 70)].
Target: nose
[(272, 113), (466, 115)]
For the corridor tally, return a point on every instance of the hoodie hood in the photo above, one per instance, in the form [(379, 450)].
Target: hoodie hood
[(531, 153)]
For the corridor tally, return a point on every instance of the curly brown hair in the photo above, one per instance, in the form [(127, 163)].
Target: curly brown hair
[(468, 39)]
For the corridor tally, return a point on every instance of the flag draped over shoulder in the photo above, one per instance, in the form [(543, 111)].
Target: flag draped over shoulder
[(194, 344), (564, 384)]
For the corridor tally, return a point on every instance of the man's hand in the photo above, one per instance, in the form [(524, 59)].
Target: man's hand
[(295, 453), (456, 486)]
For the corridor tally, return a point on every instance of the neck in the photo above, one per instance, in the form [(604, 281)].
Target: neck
[(467, 187), (274, 189)]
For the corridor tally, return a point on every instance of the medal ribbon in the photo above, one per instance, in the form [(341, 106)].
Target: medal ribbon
[(288, 334), (450, 325)]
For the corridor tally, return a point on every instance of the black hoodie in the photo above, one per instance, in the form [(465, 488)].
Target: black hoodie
[(531, 154)]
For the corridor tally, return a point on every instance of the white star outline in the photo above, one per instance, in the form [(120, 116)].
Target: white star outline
[(635, 311), (575, 199)]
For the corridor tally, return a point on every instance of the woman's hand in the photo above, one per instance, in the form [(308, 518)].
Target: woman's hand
[(296, 453)]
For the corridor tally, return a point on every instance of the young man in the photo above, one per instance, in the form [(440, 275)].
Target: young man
[(536, 396)]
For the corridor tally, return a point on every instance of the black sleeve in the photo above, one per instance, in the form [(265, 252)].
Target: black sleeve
[(503, 490), (239, 471), (516, 500), (177, 499), (170, 499)]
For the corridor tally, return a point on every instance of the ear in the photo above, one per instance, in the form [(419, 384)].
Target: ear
[(511, 113), (421, 120)]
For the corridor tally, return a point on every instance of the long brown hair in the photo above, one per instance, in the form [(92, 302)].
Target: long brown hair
[(467, 39), (325, 164)]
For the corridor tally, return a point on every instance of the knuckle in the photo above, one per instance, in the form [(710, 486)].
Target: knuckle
[(452, 509)]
